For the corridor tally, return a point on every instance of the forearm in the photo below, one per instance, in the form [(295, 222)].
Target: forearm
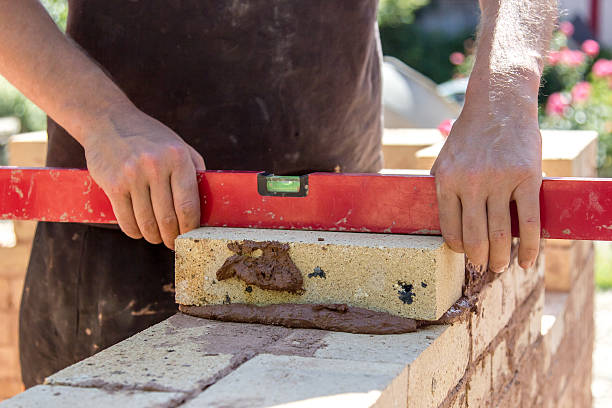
[(513, 40), (52, 71)]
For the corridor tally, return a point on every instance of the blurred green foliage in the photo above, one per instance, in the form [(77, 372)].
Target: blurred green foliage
[(396, 12), (58, 9)]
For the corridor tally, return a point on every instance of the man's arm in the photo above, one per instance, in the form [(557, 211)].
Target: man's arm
[(147, 170), (493, 153)]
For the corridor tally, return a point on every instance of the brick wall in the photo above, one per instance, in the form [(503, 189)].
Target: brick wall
[(23, 150)]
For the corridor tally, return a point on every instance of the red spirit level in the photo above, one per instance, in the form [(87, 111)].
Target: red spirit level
[(571, 208)]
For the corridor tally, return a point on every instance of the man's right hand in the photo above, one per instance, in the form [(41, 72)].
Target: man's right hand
[(148, 173)]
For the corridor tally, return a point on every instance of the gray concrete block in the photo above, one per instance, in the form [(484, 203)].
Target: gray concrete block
[(269, 380), (57, 396), (182, 353)]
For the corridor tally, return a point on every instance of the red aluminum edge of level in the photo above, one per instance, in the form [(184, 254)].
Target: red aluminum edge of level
[(571, 208)]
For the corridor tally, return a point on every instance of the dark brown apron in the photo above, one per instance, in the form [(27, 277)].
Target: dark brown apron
[(287, 86)]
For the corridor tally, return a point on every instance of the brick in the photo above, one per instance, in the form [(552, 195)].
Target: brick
[(400, 146), (565, 260), (182, 353), (28, 149), (564, 154), (553, 324), (479, 384), (9, 362), (268, 380), (527, 279), (9, 320), (14, 261), (526, 326), (495, 306), (511, 397), (60, 397), (362, 270), (15, 292), (501, 371), (10, 387), (25, 230), (439, 368)]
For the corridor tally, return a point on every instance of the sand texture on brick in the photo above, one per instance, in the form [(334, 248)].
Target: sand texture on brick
[(409, 276)]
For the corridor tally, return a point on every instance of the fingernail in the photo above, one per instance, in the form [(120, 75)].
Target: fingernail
[(498, 270)]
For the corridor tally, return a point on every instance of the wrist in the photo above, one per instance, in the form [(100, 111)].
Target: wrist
[(512, 93)]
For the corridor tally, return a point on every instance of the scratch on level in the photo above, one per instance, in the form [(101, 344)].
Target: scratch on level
[(567, 231), (545, 233), (18, 191), (608, 227), (88, 207), (87, 184), (594, 202)]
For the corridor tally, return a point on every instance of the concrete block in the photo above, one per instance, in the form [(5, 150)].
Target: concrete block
[(479, 385), (269, 380), (45, 396), (409, 276), (400, 146), (182, 354), (496, 304), (565, 153), (436, 357), (28, 149)]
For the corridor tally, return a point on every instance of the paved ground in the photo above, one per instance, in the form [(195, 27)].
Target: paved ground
[(602, 358)]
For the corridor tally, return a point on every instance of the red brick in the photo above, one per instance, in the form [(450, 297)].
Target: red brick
[(9, 322), (10, 387), (9, 362)]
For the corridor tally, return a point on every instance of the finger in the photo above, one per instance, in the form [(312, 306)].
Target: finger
[(143, 211), (527, 198), (163, 208), (186, 197), (196, 158), (122, 207), (450, 219), (500, 235), (475, 237)]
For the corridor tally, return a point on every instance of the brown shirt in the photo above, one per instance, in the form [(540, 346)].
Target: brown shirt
[(287, 86)]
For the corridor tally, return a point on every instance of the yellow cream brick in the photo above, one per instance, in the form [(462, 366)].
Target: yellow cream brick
[(479, 385), (496, 304), (400, 146), (409, 276), (28, 149), (564, 153)]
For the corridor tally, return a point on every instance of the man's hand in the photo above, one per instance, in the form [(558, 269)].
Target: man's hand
[(481, 168), (149, 174), (493, 154), (144, 167)]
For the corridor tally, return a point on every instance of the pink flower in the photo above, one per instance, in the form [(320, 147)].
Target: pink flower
[(445, 127), (590, 48), (456, 58), (572, 58), (602, 68), (581, 92), (554, 57), (566, 28), (556, 104)]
